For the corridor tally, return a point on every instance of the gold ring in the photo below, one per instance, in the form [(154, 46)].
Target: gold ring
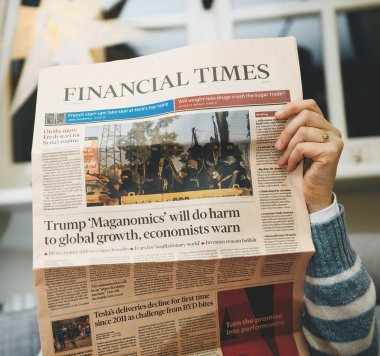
[(325, 136)]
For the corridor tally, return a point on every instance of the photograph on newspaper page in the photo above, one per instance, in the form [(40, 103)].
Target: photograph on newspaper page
[(162, 224), (188, 156)]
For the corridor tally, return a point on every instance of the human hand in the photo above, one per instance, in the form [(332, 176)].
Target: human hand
[(304, 136)]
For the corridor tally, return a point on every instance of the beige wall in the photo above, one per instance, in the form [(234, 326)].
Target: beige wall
[(361, 200)]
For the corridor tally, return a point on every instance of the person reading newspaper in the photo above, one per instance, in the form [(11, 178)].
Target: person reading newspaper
[(339, 317), (340, 297), (339, 314)]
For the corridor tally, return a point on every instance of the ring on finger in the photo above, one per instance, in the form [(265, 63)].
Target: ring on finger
[(325, 136)]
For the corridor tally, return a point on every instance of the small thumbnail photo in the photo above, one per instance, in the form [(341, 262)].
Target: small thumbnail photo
[(71, 334)]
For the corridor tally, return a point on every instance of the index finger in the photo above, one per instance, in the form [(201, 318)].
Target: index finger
[(295, 107)]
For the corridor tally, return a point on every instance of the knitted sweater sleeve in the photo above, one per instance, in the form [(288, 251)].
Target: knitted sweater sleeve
[(340, 297)]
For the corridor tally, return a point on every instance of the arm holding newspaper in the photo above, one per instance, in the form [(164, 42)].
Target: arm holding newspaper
[(339, 294)]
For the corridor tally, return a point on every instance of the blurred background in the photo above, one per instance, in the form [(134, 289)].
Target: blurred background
[(339, 51)]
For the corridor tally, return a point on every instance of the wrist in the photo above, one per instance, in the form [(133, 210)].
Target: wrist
[(326, 214), (314, 207)]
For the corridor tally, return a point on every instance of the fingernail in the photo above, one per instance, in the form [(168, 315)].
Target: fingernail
[(280, 113), (278, 144)]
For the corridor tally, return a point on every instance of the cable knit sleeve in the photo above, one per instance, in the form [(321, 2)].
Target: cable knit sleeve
[(340, 297)]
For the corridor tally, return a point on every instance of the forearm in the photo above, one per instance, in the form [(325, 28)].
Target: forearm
[(339, 296)]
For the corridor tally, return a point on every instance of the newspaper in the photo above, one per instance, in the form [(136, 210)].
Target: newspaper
[(162, 223)]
